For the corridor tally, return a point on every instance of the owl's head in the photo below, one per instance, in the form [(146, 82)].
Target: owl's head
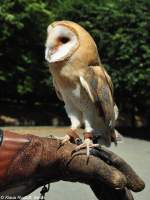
[(65, 39)]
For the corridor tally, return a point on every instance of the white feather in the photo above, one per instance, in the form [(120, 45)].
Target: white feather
[(47, 54), (76, 91), (86, 87), (116, 111), (64, 50)]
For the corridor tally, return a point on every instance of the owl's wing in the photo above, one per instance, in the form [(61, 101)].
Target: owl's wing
[(99, 87), (57, 91), (108, 79)]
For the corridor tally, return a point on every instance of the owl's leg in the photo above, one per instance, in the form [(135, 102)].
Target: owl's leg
[(75, 117), (88, 135)]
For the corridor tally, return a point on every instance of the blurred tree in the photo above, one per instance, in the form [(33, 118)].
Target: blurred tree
[(23, 74), (121, 30)]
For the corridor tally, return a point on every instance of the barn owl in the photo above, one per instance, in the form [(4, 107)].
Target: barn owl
[(82, 83)]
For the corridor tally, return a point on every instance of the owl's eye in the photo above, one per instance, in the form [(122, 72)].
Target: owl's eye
[(64, 40)]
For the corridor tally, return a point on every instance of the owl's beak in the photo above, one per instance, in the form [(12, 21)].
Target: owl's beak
[(51, 48), (49, 52)]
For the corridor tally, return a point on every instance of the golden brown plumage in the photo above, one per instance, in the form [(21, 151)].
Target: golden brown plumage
[(81, 81)]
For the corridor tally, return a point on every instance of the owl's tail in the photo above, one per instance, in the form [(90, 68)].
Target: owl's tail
[(107, 139), (116, 137)]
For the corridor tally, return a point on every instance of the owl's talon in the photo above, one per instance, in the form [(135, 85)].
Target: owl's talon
[(72, 137), (78, 141), (65, 139), (88, 144)]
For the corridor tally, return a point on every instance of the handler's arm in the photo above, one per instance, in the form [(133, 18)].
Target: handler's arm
[(28, 162)]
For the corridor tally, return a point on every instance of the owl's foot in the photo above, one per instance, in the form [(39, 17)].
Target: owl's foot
[(65, 139), (88, 144), (72, 137)]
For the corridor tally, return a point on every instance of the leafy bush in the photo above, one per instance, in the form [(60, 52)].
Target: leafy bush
[(121, 31), (23, 74)]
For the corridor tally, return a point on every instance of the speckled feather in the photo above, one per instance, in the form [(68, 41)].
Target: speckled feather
[(101, 90)]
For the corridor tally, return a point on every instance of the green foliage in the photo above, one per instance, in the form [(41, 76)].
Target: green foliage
[(120, 28), (22, 37)]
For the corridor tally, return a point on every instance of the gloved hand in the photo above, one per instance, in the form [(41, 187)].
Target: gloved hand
[(28, 162)]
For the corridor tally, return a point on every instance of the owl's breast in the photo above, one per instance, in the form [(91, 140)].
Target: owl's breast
[(72, 94), (79, 98), (76, 93)]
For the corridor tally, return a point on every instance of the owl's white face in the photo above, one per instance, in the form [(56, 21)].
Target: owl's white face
[(61, 43)]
